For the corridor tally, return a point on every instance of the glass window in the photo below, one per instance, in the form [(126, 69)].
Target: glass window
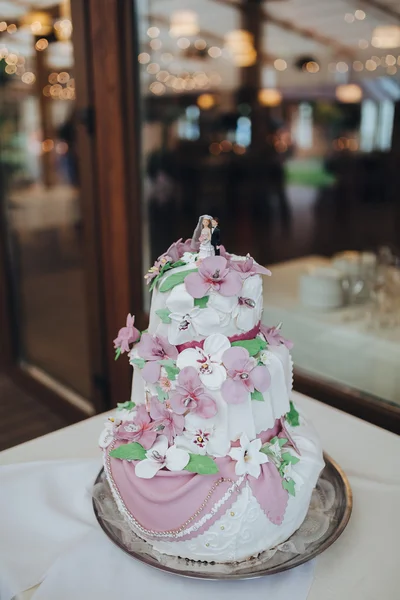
[(39, 187), (282, 119)]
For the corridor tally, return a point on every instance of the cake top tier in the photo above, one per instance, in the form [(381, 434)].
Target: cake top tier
[(199, 289)]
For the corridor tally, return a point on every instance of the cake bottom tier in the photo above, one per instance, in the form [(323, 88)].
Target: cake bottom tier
[(244, 530)]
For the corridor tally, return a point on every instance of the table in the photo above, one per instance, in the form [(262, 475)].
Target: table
[(334, 344), (353, 568)]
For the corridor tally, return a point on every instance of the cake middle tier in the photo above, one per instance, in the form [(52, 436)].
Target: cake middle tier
[(230, 420)]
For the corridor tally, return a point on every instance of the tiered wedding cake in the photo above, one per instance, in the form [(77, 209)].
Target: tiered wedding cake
[(209, 460)]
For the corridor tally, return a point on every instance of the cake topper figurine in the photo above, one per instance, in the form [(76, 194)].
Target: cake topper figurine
[(201, 240), (215, 235)]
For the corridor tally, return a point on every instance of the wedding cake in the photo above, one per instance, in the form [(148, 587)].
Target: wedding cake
[(210, 459)]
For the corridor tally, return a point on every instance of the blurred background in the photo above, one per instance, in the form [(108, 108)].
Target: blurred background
[(121, 122)]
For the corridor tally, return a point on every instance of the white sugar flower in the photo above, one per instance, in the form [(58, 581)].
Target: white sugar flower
[(265, 357), (200, 437), (276, 451), (224, 306), (207, 360), (289, 473), (188, 320), (189, 257), (248, 456), (247, 311), (160, 456), (107, 435)]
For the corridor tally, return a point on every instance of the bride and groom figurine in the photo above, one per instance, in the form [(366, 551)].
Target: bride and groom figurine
[(207, 237)]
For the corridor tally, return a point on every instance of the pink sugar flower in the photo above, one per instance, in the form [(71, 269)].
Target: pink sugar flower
[(127, 335), (165, 384), (153, 349), (274, 338), (166, 422), (224, 253), (214, 274), (140, 429), (244, 376), (190, 396), (248, 267), (177, 250)]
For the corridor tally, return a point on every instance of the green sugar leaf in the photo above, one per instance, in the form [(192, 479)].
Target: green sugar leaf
[(289, 458), (175, 279), (179, 263), (292, 417), (281, 441), (139, 362), (204, 465), (162, 396), (201, 302), (128, 405), (253, 347), (133, 451), (117, 353), (164, 313), (289, 486), (172, 372), (256, 395), (170, 368)]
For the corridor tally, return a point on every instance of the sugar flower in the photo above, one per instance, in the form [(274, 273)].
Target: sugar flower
[(190, 396), (188, 320), (189, 257), (274, 338), (107, 435), (127, 335), (248, 267), (248, 457), (213, 274), (140, 429), (207, 360), (165, 421), (155, 270), (153, 349), (176, 250), (201, 437), (160, 456), (247, 311), (244, 376), (224, 306)]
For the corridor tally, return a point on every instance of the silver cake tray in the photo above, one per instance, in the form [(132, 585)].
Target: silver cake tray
[(327, 517)]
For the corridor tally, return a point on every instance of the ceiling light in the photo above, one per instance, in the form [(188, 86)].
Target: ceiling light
[(206, 101), (280, 64), (349, 93), (269, 97), (386, 36), (183, 23)]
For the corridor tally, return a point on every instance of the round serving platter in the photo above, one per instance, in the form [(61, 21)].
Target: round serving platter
[(327, 517)]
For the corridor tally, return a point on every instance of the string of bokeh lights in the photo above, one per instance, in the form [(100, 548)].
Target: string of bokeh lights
[(62, 86)]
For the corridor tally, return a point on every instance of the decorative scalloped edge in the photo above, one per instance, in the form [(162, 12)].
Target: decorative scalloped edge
[(140, 530)]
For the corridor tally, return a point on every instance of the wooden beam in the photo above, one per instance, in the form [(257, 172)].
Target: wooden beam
[(112, 190), (288, 25)]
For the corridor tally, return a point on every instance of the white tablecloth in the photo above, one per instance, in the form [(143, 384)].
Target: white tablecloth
[(361, 565), (334, 344)]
